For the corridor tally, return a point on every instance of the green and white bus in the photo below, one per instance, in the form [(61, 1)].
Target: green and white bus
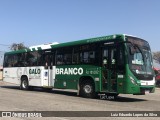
[(115, 64)]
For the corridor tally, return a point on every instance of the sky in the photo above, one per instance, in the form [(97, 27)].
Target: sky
[(35, 22)]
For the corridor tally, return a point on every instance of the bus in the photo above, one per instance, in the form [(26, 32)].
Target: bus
[(114, 64)]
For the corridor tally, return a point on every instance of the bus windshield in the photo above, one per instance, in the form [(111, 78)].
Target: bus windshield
[(140, 61)]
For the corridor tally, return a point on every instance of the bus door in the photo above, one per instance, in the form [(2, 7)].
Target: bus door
[(109, 82), (49, 69)]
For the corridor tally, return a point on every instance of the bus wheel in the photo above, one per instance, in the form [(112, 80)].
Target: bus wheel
[(24, 83), (87, 90)]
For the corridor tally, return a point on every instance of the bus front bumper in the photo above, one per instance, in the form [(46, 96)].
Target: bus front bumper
[(145, 90)]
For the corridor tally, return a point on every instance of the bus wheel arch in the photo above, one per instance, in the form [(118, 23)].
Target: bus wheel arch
[(24, 84), (87, 87)]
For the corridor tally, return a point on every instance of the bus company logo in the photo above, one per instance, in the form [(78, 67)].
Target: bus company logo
[(25, 71), (34, 71), (69, 71)]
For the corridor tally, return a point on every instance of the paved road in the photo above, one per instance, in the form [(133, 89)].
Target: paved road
[(13, 99)]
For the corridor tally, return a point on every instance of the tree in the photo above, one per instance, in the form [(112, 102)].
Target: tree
[(16, 46), (156, 56)]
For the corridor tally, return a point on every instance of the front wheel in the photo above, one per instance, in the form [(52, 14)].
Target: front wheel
[(87, 90), (24, 84)]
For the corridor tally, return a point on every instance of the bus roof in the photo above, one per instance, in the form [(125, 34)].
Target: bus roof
[(43, 46), (56, 45), (90, 40)]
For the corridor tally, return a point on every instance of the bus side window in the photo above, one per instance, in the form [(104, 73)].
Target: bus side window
[(20, 60), (64, 56), (75, 58), (59, 59), (6, 61), (76, 55), (67, 58), (84, 57), (92, 58), (14, 61), (39, 58), (32, 58), (85, 54)]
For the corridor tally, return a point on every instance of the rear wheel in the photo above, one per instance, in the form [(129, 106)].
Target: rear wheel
[(87, 90), (24, 83)]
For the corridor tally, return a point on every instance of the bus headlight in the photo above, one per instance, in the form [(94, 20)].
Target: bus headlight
[(132, 80)]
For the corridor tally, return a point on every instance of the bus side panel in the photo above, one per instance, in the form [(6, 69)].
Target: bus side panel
[(11, 75), (130, 88), (35, 75), (120, 83), (67, 77)]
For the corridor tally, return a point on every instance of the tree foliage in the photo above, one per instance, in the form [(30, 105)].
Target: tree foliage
[(17, 46), (156, 56)]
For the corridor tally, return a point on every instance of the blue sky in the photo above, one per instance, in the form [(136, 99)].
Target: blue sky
[(35, 22)]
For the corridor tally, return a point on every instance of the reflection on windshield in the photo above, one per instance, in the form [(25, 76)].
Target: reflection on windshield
[(140, 60), (137, 59), (148, 61)]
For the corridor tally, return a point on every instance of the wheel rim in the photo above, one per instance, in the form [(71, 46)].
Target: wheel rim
[(87, 89), (24, 84)]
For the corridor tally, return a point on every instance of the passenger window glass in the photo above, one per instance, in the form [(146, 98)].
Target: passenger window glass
[(33, 58), (64, 56), (88, 54)]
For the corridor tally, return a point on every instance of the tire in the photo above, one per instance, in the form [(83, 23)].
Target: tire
[(87, 90), (24, 84)]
